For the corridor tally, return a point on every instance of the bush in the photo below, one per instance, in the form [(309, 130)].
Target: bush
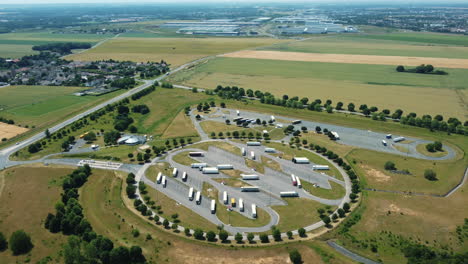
[(3, 242), (223, 235), (238, 237), (20, 242), (198, 234), (389, 165), (430, 175), (250, 237), (187, 231), (135, 232), (400, 68), (264, 238), (295, 257), (210, 236), (289, 234), (430, 147), (302, 232)]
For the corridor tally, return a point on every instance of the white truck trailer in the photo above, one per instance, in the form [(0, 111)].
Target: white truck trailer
[(158, 178), (210, 170), (252, 155), (241, 205), (175, 171), (320, 167), (289, 194), (250, 189), (254, 143), (198, 165), (164, 181), (213, 206), (254, 211), (225, 167), (225, 197), (249, 177), (301, 160), (190, 194), (184, 176), (244, 152), (198, 197)]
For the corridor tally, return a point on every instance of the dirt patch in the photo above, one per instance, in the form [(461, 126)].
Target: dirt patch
[(395, 209), (377, 175), (9, 131), (350, 58)]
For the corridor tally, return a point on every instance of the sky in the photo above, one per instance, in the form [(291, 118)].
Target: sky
[(16, 2)]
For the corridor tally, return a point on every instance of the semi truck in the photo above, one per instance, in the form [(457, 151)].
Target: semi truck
[(233, 202), (164, 181), (293, 180), (320, 167), (225, 167), (243, 152), (254, 211), (196, 154), (225, 197), (299, 184), (190, 194), (198, 165), (210, 170), (198, 197), (249, 177), (241, 205), (253, 143), (175, 171), (252, 155), (158, 178), (213, 206), (249, 189), (295, 122), (184, 176), (300, 160), (289, 194)]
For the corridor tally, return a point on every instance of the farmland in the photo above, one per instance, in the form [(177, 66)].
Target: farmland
[(357, 83), (15, 45), (41, 106), (382, 45), (176, 51)]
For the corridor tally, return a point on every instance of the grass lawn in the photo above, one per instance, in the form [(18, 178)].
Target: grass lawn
[(336, 192), (181, 126), (302, 211), (434, 94), (18, 210), (371, 164), (165, 107), (15, 50), (417, 37), (267, 162), (175, 51), (421, 148), (184, 158), (372, 45)]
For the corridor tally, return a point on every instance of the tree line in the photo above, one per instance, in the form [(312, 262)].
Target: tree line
[(452, 125), (62, 47), (423, 69), (84, 245)]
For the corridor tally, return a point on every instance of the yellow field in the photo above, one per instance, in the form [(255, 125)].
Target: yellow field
[(9, 131), (446, 101), (350, 58), (175, 51)]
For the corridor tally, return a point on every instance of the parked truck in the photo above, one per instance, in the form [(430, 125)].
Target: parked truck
[(159, 178), (198, 197), (254, 211), (213, 206), (175, 171), (241, 205), (190, 194), (164, 181), (184, 176), (233, 202), (225, 197)]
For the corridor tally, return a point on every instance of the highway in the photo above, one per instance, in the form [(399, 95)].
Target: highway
[(6, 152)]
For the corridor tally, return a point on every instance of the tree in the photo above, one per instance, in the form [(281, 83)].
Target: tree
[(341, 212), (166, 223), (302, 232), (430, 175), (131, 190), (353, 197), (47, 133), (119, 255), (276, 234), (295, 257), (198, 234), (250, 237), (326, 219), (264, 238), (91, 136), (289, 234), (3, 242), (346, 207), (223, 235), (20, 242), (210, 236), (351, 107), (238, 237), (430, 147), (389, 165), (136, 254), (438, 145), (187, 231), (400, 68)]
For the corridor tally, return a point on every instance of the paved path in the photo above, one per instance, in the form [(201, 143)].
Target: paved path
[(350, 254)]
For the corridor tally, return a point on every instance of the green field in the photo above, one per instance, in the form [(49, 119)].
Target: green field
[(378, 85), (417, 37), (43, 105), (366, 45), (15, 45), (175, 51)]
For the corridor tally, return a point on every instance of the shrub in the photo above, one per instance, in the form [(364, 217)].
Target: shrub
[(295, 257), (3, 242), (20, 242), (389, 165), (223, 235), (210, 236), (289, 234), (430, 175), (302, 232), (187, 231), (250, 237), (198, 234), (238, 237), (264, 238)]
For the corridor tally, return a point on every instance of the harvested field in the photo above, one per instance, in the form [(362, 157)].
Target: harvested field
[(9, 131), (350, 58)]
